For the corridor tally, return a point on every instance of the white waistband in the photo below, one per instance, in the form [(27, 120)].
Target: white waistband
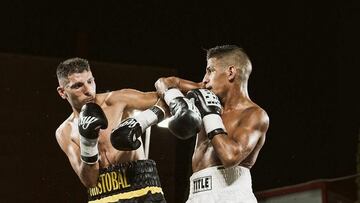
[(218, 178)]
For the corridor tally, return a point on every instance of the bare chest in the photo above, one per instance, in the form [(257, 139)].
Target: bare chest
[(108, 154), (230, 121), (204, 153)]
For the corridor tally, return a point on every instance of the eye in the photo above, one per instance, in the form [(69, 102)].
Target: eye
[(77, 85), (90, 81)]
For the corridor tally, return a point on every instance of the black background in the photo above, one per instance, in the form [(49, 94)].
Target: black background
[(304, 55)]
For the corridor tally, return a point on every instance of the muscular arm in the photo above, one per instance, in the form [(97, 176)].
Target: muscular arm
[(134, 99), (88, 174), (163, 84), (233, 149)]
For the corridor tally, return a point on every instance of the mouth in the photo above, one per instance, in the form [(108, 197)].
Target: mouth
[(90, 100)]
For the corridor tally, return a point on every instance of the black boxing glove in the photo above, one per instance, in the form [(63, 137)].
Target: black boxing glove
[(91, 120), (210, 108), (125, 136), (186, 119)]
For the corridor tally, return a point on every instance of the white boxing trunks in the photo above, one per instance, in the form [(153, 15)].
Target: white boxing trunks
[(217, 184)]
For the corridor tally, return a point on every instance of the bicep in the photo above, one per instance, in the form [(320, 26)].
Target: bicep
[(247, 139), (72, 151), (250, 131)]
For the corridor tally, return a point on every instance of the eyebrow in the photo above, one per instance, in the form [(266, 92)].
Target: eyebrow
[(77, 83), (209, 68)]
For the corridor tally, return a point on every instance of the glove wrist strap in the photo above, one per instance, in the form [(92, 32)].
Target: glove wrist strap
[(171, 94), (150, 117), (89, 150), (213, 125), (159, 112)]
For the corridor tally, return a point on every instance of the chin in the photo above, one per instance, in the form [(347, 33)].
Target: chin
[(216, 93), (211, 89)]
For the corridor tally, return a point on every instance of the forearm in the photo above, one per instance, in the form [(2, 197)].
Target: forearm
[(163, 84), (186, 85), (228, 151), (133, 99), (88, 174), (161, 103), (210, 108), (91, 120)]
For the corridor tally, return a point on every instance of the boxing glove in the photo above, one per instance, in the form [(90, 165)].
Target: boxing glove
[(210, 109), (91, 120), (125, 136), (185, 121)]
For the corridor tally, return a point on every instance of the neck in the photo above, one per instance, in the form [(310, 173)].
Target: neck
[(236, 96), (76, 112)]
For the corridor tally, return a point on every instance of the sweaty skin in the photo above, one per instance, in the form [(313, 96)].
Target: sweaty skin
[(78, 89), (239, 148), (245, 122)]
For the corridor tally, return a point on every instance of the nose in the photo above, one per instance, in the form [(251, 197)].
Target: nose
[(205, 79), (87, 89)]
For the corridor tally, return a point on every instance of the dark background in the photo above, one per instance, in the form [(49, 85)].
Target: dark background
[(305, 60)]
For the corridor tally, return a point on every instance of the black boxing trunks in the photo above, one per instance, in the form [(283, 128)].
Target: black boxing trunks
[(130, 182)]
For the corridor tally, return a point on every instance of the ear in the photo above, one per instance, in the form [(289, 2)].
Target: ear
[(61, 92), (231, 72)]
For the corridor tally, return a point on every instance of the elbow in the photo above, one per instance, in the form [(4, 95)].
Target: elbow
[(231, 159), (90, 183), (169, 82), (89, 175), (160, 80), (163, 84), (229, 162)]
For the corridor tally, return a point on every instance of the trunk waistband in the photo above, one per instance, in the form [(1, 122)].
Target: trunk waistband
[(218, 178), (125, 181)]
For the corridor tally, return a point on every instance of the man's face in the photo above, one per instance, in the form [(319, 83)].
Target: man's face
[(78, 89), (215, 77)]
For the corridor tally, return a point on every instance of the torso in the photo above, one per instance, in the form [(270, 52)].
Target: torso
[(204, 154), (108, 154)]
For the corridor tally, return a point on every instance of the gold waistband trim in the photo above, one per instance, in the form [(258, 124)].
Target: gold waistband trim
[(129, 195)]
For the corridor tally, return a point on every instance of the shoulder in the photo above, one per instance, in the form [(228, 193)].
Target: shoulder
[(259, 112), (64, 129), (257, 116)]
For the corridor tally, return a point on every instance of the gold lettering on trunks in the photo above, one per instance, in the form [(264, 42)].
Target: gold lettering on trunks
[(113, 180), (108, 182)]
